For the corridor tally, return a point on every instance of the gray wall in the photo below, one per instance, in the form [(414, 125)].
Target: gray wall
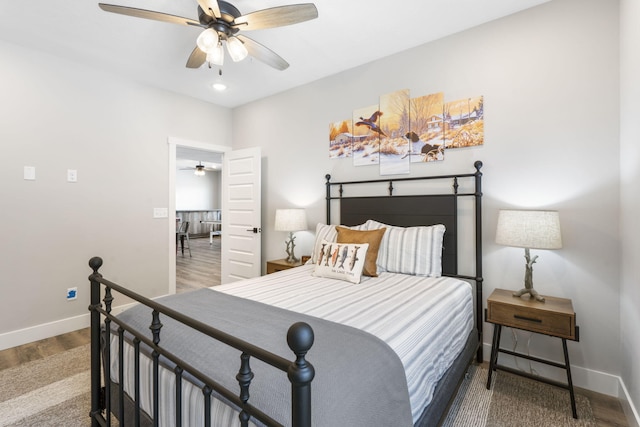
[(58, 115), (550, 78), (630, 203)]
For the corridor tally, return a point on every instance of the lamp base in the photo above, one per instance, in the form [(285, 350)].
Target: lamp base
[(292, 260), (534, 294)]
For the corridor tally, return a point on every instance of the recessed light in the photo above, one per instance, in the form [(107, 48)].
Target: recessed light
[(219, 86)]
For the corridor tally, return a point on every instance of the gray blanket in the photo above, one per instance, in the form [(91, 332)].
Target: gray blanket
[(359, 380)]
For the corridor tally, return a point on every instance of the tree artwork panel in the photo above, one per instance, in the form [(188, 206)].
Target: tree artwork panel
[(427, 128), (366, 136), (464, 122), (395, 122), (340, 139)]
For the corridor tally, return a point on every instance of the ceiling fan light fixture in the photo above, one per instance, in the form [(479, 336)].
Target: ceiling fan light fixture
[(199, 170), (216, 55), (236, 49), (208, 40)]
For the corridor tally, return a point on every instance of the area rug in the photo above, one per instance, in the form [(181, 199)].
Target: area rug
[(54, 392), (48, 392)]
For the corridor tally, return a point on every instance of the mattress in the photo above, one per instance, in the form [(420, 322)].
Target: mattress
[(425, 321)]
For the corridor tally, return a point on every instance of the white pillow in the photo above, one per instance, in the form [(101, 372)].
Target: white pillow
[(330, 234), (410, 250), (343, 261)]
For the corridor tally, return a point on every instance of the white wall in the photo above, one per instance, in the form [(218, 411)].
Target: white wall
[(58, 115), (550, 80), (197, 193), (630, 203)]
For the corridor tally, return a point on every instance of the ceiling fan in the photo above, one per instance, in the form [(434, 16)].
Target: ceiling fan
[(222, 23), (199, 169)]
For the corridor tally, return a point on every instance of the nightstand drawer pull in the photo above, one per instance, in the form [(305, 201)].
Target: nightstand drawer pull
[(529, 319)]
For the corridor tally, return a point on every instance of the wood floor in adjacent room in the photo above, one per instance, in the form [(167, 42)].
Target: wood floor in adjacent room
[(202, 269)]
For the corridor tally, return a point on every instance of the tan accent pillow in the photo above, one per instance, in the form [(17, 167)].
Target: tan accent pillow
[(373, 238)]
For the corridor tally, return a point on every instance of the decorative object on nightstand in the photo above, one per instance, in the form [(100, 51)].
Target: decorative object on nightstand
[(281, 264), (529, 229), (555, 318), (291, 220)]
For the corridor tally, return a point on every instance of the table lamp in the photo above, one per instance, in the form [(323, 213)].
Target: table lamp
[(529, 229), (291, 220)]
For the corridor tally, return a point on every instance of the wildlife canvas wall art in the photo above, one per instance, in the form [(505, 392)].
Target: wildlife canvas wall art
[(340, 139), (426, 137), (366, 136), (401, 130), (464, 122), (395, 122)]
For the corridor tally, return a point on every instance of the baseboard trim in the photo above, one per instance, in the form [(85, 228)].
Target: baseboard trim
[(630, 411), (600, 382), (51, 329)]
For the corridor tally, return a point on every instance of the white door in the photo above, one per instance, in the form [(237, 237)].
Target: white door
[(241, 215)]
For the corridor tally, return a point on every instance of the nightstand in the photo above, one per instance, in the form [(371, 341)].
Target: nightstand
[(554, 317), (280, 264)]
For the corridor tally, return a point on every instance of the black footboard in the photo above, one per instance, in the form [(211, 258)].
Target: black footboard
[(299, 372)]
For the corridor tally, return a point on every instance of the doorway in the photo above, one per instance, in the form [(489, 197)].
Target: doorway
[(196, 199)]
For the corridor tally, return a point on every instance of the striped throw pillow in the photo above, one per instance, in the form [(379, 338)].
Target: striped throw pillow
[(410, 250)]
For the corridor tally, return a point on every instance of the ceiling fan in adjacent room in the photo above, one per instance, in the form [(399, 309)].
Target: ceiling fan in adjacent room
[(199, 169), (222, 24)]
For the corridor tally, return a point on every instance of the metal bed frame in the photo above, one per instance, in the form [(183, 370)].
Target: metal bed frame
[(397, 210)]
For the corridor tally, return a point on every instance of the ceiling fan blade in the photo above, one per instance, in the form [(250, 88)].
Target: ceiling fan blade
[(276, 17), (210, 7), (197, 58), (148, 14), (263, 53)]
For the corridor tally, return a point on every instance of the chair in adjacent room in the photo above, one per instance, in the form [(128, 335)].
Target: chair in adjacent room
[(183, 234)]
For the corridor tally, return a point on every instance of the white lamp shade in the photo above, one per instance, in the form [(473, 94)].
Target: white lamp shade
[(291, 220), (529, 229), (237, 50), (216, 55), (207, 40)]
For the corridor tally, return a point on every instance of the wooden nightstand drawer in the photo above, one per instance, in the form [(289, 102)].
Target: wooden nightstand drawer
[(553, 317), (535, 320), (280, 264)]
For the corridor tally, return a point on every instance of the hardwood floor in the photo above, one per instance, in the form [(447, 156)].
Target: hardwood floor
[(40, 349), (200, 270)]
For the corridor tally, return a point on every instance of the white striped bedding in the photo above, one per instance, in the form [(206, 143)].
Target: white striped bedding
[(426, 321)]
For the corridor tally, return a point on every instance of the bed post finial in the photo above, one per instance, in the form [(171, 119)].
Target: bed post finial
[(95, 263), (300, 339), (478, 165)]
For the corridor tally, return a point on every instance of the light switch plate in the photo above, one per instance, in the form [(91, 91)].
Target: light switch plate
[(160, 212), (30, 173)]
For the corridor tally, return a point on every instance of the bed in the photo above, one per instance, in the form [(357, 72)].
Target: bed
[(311, 345)]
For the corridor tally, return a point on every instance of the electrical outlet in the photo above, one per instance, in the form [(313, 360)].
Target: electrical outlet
[(72, 175), (72, 294)]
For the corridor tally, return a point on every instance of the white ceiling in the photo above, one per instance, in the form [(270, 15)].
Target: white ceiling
[(346, 34)]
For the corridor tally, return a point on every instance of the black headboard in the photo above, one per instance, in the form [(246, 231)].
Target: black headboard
[(406, 211), (438, 207)]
